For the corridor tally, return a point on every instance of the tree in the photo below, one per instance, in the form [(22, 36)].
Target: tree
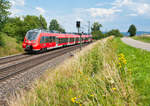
[(114, 32), (4, 6), (54, 25), (31, 22), (15, 28), (61, 30), (43, 22), (132, 30), (96, 32), (96, 26)]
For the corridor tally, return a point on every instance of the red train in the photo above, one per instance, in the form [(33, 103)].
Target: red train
[(40, 40)]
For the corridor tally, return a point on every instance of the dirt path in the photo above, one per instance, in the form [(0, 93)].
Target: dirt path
[(136, 44)]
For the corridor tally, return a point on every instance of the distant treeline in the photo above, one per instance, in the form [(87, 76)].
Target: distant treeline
[(97, 33)]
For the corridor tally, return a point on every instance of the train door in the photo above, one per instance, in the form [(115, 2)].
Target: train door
[(54, 41), (57, 41), (42, 42)]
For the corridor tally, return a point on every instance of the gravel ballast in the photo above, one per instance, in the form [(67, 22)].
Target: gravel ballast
[(9, 88)]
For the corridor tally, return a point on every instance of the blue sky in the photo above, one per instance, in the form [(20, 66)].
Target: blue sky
[(112, 14)]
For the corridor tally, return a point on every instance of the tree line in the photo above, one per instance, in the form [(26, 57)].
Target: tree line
[(97, 33)]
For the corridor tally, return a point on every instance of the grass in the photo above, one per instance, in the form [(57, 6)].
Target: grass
[(95, 76), (138, 61), (10, 47), (142, 38)]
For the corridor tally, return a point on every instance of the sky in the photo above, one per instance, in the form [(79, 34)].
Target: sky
[(112, 14)]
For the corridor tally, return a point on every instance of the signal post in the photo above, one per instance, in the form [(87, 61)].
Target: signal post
[(78, 27)]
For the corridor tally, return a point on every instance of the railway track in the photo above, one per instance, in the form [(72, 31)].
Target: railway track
[(13, 58), (15, 69)]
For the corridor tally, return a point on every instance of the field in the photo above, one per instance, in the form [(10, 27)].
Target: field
[(142, 38), (10, 47), (138, 61), (107, 72)]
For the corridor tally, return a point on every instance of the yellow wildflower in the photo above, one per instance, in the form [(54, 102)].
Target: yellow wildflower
[(92, 95), (113, 89), (80, 72), (77, 102), (72, 99), (122, 60)]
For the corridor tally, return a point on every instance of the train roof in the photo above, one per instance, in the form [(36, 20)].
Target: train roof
[(66, 34)]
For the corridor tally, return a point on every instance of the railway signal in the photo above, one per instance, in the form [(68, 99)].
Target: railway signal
[(78, 27), (78, 24)]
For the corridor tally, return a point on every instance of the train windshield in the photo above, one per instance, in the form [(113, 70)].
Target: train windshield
[(32, 35)]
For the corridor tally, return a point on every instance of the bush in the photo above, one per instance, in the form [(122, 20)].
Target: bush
[(114, 32), (97, 35), (2, 41)]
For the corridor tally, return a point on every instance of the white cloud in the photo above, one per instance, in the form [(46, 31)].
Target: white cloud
[(40, 10), (142, 8), (17, 2), (102, 12), (119, 3), (133, 15), (137, 7), (15, 12)]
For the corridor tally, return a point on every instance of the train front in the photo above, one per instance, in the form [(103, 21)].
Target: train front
[(30, 43)]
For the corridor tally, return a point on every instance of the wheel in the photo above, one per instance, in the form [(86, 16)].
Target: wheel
[(45, 49)]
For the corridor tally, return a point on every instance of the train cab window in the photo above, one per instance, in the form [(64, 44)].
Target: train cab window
[(32, 35)]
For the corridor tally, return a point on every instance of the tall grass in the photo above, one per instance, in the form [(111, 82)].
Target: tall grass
[(95, 76), (2, 41), (8, 45)]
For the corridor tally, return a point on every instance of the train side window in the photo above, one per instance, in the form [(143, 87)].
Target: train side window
[(59, 40), (42, 39), (46, 39), (52, 39), (49, 39), (64, 40)]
